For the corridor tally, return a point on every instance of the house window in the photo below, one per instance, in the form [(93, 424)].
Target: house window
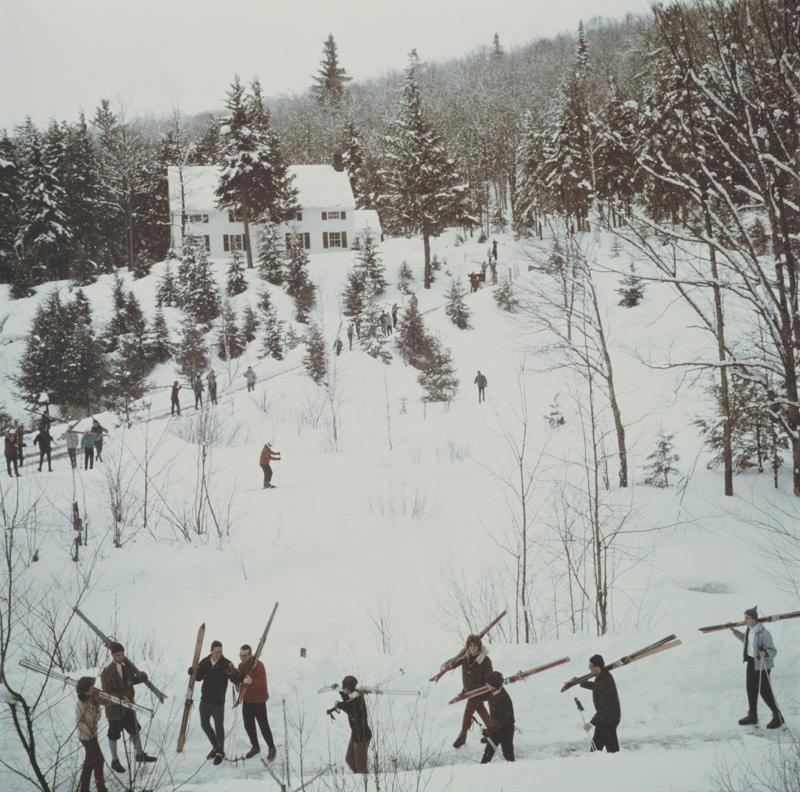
[(197, 218), (334, 239), (200, 240), (298, 215), (233, 242), (334, 215), (306, 238), (234, 215)]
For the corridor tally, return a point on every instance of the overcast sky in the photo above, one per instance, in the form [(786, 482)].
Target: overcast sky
[(58, 56)]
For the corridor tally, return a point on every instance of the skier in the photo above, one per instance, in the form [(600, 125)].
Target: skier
[(87, 716), (494, 250), (118, 679), (355, 707), (197, 389), (267, 455), (350, 332), (254, 702), (11, 453), (475, 665), (44, 440), (251, 378), (337, 346), (395, 309), (212, 387), (606, 704), (493, 266), (481, 382), (73, 441), (99, 431), (214, 671), (502, 713), (20, 438), (175, 402), (87, 444), (759, 653)]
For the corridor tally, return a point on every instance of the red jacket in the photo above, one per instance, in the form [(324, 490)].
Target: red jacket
[(267, 455), (257, 692)]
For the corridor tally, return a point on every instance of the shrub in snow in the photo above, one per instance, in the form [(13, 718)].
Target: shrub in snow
[(159, 347), (192, 354), (505, 296), (413, 341), (456, 308), (271, 255), (230, 343), (168, 291), (405, 278), (372, 338), (554, 417), (249, 324), (237, 283), (438, 377), (661, 463), (314, 359), (632, 289)]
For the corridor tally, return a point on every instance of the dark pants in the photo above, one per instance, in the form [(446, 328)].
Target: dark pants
[(481, 394), (92, 762), (175, 407), (98, 447), (127, 723), (605, 736), (216, 736), (394, 320), (267, 474), (356, 756), (9, 462), (752, 689), (19, 455), (251, 386), (212, 394), (350, 339), (253, 714), (88, 458), (45, 452), (198, 400), (73, 457), (503, 738), (472, 707)]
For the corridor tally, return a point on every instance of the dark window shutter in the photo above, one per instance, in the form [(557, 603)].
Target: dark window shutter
[(344, 239), (324, 239), (307, 240), (324, 215), (343, 215), (226, 242)]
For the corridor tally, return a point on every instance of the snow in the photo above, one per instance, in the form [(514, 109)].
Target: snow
[(378, 522)]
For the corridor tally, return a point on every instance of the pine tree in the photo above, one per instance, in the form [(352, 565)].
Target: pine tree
[(297, 282), (661, 463), (249, 324), (83, 269), (330, 80), (271, 255), (159, 346), (497, 47), (632, 289), (372, 338), (355, 164), (205, 149), (118, 326), (413, 341), (421, 187), (438, 379), (555, 417), (202, 297), (192, 356), (168, 292), (185, 270), (505, 296), (237, 283), (82, 188), (230, 343), (369, 266), (405, 278), (456, 308), (314, 359), (9, 205), (272, 343), (353, 295)]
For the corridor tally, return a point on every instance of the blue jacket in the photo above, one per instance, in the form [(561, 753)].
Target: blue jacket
[(762, 640), (88, 440)]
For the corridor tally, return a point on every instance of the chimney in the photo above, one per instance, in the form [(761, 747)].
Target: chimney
[(338, 162)]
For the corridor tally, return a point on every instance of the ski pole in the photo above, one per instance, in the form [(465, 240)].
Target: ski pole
[(388, 679), (583, 718), (485, 736)]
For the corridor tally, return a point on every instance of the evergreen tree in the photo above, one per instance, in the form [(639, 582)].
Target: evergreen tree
[(118, 325), (661, 463), (438, 379), (84, 369), (82, 188), (421, 188), (405, 278), (205, 149), (230, 343), (372, 338), (249, 324), (271, 255), (369, 266), (83, 269), (555, 417), (159, 346), (168, 293), (632, 289), (202, 295), (82, 308), (9, 206), (192, 356), (456, 308), (413, 341), (505, 295), (272, 336), (331, 79), (355, 164), (297, 282), (497, 47), (353, 295), (314, 360), (303, 302), (237, 283)]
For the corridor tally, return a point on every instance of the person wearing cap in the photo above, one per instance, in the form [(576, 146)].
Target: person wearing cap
[(215, 672), (475, 665), (355, 707), (759, 653), (118, 679), (267, 456), (606, 705), (501, 710), (253, 687), (174, 399), (87, 717)]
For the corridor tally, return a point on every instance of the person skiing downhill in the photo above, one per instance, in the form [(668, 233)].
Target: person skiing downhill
[(759, 653), (501, 711), (481, 382), (174, 399), (87, 717), (606, 704), (355, 707), (214, 671), (475, 665), (255, 693), (267, 456)]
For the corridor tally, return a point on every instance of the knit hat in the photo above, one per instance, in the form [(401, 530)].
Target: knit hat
[(495, 679), (752, 612), (597, 661), (115, 647), (350, 682)]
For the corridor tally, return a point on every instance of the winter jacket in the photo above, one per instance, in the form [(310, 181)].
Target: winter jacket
[(502, 711), (87, 716), (72, 438), (174, 394), (197, 385), (215, 678), (257, 692), (268, 455), (44, 440), (19, 436), (250, 376), (88, 440), (762, 640), (481, 381), (212, 385), (10, 447), (605, 699), (120, 686), (474, 669), (356, 708)]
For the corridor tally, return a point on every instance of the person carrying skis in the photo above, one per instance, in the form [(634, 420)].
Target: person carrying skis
[(11, 453), (475, 665), (214, 671), (501, 710), (87, 717), (197, 389), (606, 705), (45, 442), (87, 444), (354, 706), (72, 439), (254, 702), (19, 436), (267, 456), (350, 333), (118, 679), (98, 431), (759, 653), (212, 387), (481, 382), (251, 378), (174, 399)]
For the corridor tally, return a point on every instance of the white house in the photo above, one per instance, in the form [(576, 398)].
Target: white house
[(326, 218)]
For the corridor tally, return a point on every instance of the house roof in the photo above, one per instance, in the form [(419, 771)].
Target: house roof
[(318, 186)]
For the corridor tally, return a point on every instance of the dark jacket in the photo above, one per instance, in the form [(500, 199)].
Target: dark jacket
[(215, 679), (174, 393), (120, 686), (356, 709), (474, 670), (502, 711), (481, 381), (10, 446), (44, 440), (605, 698)]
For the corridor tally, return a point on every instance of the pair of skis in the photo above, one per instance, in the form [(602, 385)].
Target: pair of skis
[(376, 689), (518, 677), (773, 618), (454, 661)]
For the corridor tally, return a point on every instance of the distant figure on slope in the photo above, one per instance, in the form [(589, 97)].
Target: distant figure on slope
[(395, 309), (355, 707), (481, 382), (501, 711), (251, 378), (267, 456), (474, 282), (386, 320), (19, 436), (174, 399), (493, 265), (253, 685), (72, 439), (475, 665), (484, 266), (214, 671), (45, 442), (87, 717), (11, 453), (759, 653), (606, 704), (350, 333), (87, 444), (212, 387), (494, 250), (99, 431), (337, 346), (197, 389)]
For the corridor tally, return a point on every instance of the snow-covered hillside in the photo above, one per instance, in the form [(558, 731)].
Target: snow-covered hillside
[(380, 541)]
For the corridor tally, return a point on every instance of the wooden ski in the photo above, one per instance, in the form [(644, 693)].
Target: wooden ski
[(450, 664), (670, 642), (520, 675), (187, 705), (257, 654), (773, 618)]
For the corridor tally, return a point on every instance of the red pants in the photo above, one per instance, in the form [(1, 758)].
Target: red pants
[(93, 761), (472, 707)]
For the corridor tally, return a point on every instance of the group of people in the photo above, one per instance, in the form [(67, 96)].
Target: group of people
[(388, 325), (476, 279), (198, 389)]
